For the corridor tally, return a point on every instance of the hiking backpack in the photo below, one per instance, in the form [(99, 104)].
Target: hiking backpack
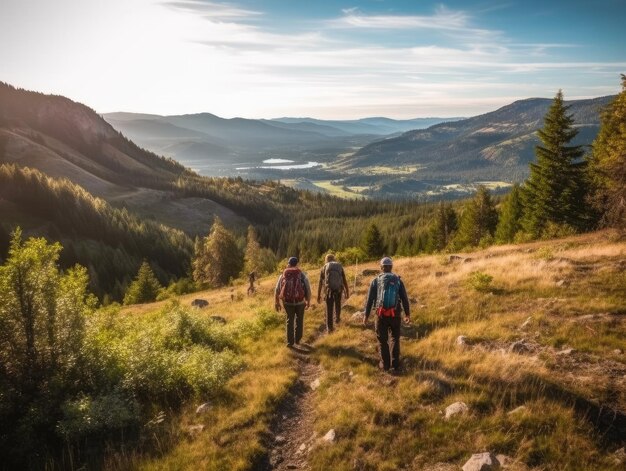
[(388, 294), (291, 287), (333, 278)]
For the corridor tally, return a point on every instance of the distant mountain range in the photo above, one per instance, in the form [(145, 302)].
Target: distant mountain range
[(199, 140), (496, 145)]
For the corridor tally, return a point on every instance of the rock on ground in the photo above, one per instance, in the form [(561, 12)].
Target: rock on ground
[(455, 409), (203, 408), (330, 436), (482, 462)]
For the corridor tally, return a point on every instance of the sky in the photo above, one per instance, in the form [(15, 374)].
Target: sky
[(328, 59)]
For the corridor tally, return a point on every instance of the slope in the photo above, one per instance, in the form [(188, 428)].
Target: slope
[(540, 366), (495, 145)]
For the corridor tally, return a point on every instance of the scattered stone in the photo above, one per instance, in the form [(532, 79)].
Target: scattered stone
[(330, 436), (422, 306), (203, 408), (455, 409), (462, 341), (199, 303), (292, 466), (280, 439), (218, 319), (566, 352), (561, 283), (195, 429), (519, 347), (517, 410), (370, 272), (455, 258), (315, 384), (276, 459), (439, 274), (618, 351), (468, 260), (302, 448), (482, 462), (526, 322)]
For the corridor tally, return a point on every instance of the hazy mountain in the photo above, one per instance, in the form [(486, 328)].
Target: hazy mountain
[(495, 145), (375, 126)]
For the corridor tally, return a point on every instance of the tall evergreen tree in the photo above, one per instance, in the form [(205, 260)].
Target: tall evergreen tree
[(478, 221), (145, 287), (217, 258), (443, 227), (555, 191), (373, 244), (510, 221), (252, 257), (608, 163)]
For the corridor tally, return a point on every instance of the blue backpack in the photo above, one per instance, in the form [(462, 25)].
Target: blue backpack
[(388, 294)]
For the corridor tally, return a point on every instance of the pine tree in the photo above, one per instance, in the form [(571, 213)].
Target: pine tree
[(555, 191), (510, 221), (443, 228), (217, 258), (478, 221), (252, 260), (608, 163), (145, 287), (373, 244)]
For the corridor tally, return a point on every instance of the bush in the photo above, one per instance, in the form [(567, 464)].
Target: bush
[(480, 281)]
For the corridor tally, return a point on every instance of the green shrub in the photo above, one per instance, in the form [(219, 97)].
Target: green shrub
[(480, 281)]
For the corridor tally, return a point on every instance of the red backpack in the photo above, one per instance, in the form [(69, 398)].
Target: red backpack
[(291, 287)]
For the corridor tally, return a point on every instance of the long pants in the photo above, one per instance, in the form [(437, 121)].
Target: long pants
[(295, 322), (389, 345), (333, 309)]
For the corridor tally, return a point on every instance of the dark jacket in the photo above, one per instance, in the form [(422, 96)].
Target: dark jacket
[(403, 300)]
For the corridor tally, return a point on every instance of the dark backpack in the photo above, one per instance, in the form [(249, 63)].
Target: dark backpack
[(333, 276), (291, 287), (388, 294)]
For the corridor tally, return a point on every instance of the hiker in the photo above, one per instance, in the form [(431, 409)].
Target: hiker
[(294, 290), (333, 280), (388, 294), (251, 280)]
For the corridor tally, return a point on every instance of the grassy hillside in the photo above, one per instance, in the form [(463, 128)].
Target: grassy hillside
[(541, 369)]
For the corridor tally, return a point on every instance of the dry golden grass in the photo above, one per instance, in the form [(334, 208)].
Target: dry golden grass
[(387, 423)]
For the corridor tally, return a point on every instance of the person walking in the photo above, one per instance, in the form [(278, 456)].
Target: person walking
[(294, 290), (333, 281), (388, 295), (251, 280)]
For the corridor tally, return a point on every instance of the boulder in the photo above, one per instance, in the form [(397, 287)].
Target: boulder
[(468, 260), (561, 283), (455, 258), (462, 341), (517, 410), (370, 272), (330, 436), (200, 303), (456, 409), (315, 384), (218, 319), (482, 462)]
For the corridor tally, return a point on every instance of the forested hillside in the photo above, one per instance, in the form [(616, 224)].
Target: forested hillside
[(110, 242)]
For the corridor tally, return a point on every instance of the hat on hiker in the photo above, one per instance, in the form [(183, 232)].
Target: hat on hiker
[(386, 262), (293, 261)]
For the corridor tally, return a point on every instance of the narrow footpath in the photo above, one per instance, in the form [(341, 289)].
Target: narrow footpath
[(293, 434)]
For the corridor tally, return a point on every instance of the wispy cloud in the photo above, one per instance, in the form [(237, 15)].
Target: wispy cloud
[(213, 10)]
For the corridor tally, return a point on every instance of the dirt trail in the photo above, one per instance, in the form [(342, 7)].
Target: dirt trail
[(292, 433)]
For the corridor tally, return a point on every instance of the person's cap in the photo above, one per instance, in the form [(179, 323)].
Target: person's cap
[(293, 261), (386, 262)]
